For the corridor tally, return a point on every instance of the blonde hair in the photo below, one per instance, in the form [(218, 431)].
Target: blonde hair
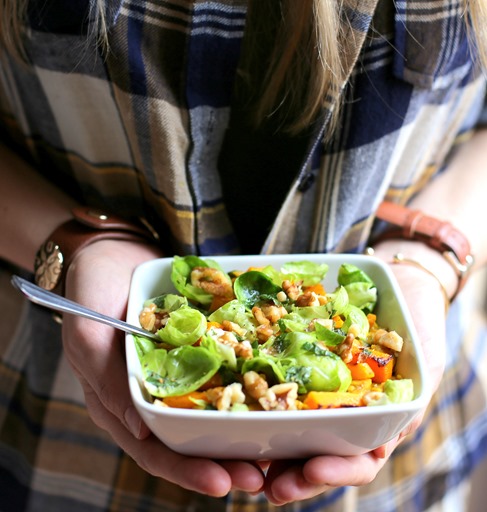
[(291, 59), (13, 12), (476, 10), (305, 56)]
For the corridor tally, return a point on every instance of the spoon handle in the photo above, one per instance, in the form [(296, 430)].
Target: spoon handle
[(50, 300)]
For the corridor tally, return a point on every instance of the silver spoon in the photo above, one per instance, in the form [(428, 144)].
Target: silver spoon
[(50, 300)]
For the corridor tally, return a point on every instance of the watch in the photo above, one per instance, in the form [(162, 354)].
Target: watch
[(440, 235), (88, 225)]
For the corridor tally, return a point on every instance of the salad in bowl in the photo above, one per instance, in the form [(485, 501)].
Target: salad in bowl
[(268, 338), (273, 356)]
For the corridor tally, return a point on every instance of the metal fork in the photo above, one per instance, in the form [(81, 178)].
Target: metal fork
[(50, 300)]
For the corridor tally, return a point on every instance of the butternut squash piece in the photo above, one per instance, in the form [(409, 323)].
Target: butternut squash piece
[(361, 371), (185, 401), (316, 288), (332, 399), (382, 364)]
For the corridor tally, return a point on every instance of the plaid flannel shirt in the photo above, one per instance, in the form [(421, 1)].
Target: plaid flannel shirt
[(150, 130)]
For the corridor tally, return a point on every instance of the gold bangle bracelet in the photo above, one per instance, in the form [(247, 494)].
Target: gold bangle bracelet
[(400, 259)]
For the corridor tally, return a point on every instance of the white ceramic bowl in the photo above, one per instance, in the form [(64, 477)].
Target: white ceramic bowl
[(282, 434)]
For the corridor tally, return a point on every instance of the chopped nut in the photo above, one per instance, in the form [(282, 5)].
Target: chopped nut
[(292, 290), (259, 316), (373, 396), (322, 300), (273, 313), (244, 350), (255, 385), (281, 397), (211, 280), (345, 348), (241, 348), (264, 332), (281, 296), (151, 319), (233, 327), (224, 397), (390, 340), (307, 299), (378, 334)]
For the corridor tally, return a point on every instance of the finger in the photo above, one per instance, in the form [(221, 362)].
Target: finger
[(131, 418), (285, 483), (246, 475), (384, 451), (318, 475), (197, 474), (100, 364), (337, 471), (191, 473)]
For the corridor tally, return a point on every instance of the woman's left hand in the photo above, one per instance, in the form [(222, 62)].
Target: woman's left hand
[(289, 481)]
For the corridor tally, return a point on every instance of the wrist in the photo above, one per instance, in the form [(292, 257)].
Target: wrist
[(429, 258), (86, 227), (110, 254), (407, 225), (99, 276), (420, 259)]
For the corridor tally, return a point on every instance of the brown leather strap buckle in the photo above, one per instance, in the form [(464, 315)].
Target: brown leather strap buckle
[(437, 234)]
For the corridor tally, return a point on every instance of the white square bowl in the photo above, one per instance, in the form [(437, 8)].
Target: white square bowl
[(259, 435)]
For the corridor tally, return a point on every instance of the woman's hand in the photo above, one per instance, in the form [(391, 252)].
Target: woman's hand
[(99, 278), (289, 481)]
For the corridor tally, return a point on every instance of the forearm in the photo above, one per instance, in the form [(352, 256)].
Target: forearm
[(31, 208), (459, 195), (456, 196)]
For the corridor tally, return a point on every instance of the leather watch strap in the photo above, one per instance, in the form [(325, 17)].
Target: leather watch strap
[(437, 234), (87, 226)]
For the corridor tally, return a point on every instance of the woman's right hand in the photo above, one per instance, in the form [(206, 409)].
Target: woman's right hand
[(99, 278)]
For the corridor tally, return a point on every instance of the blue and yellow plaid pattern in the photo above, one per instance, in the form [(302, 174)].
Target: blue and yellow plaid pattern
[(141, 130)]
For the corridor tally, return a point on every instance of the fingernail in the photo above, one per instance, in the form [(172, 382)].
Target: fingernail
[(389, 448), (133, 421)]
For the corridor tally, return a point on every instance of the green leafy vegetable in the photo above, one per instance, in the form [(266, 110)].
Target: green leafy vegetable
[(309, 272), (399, 391), (185, 326), (361, 290), (181, 278), (234, 311), (355, 316), (328, 336), (179, 371), (327, 372), (167, 302), (254, 286)]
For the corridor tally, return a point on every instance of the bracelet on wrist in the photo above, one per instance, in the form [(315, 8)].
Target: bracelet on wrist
[(87, 226), (440, 235), (399, 258)]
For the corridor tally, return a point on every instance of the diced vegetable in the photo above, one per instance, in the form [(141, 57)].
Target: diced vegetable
[(381, 363), (332, 400), (361, 371), (187, 401)]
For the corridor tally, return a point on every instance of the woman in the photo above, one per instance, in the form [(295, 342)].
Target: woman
[(251, 126)]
